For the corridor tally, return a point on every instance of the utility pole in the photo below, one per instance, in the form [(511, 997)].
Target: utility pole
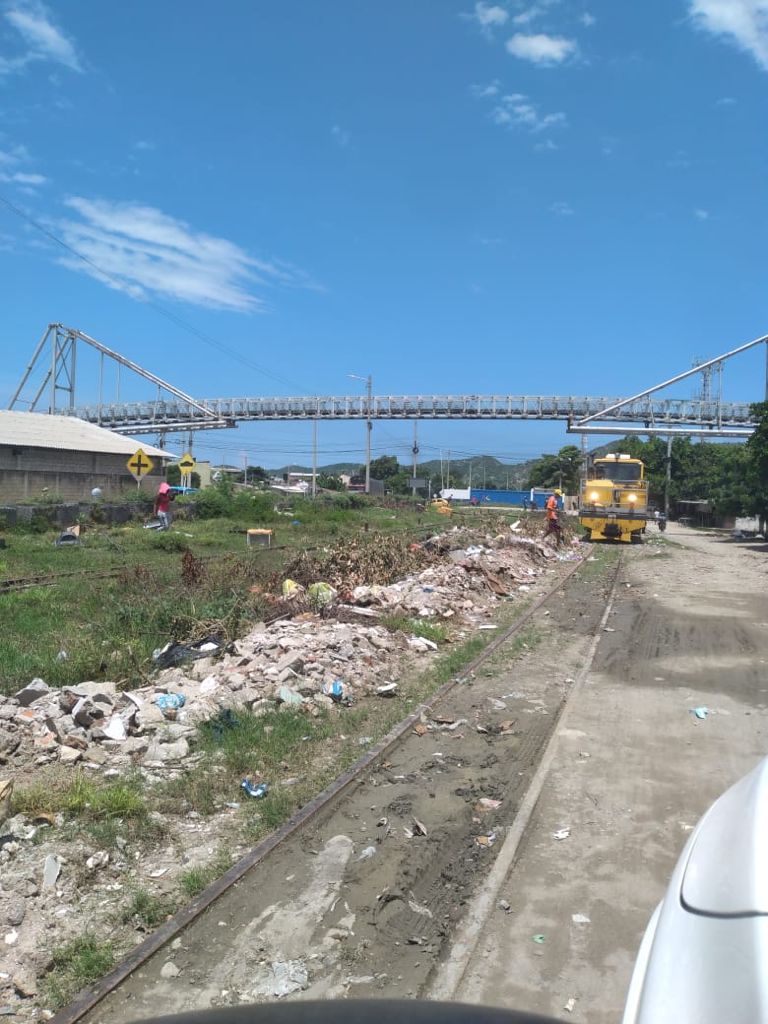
[(314, 458), (449, 469), (369, 426), (668, 477), (415, 449), (369, 385)]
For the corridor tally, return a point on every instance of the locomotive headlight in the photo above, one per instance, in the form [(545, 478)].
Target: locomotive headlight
[(632, 498), (594, 496)]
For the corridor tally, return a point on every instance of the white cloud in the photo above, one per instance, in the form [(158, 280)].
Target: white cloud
[(541, 48), (513, 110), (490, 15), (743, 22), (486, 91), (701, 214), (527, 16), (726, 101), (144, 252), (341, 135), (21, 178), (14, 161), (562, 209), (547, 146), (587, 19), (43, 39)]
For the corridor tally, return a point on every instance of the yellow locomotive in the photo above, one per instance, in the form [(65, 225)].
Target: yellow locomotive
[(614, 499)]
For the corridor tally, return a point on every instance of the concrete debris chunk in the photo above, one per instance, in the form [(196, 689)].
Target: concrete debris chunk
[(32, 692), (51, 871)]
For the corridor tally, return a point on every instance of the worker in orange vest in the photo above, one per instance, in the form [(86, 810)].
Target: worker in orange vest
[(553, 521)]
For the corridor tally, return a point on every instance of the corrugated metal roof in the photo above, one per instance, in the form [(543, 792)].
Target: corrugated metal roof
[(67, 433)]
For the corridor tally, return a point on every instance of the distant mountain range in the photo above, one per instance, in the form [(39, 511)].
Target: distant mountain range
[(486, 470)]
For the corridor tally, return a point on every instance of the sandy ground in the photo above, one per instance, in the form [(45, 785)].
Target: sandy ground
[(355, 905), (632, 772)]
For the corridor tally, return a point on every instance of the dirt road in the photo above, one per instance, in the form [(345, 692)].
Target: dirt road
[(632, 773)]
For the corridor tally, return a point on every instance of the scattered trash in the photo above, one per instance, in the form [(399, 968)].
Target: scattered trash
[(608, 629), (170, 701), (451, 726), (11, 937), (419, 908), (98, 860), (382, 822), (418, 828), (387, 690), (420, 643), (700, 712), (485, 803), (161, 871), (174, 654), (570, 1006), (321, 595), (169, 970), (420, 729), (334, 690), (368, 852), (257, 790), (487, 625), (62, 656), (364, 741), (562, 833), (539, 939), (504, 905), (486, 841), (291, 589), (580, 919), (68, 537)]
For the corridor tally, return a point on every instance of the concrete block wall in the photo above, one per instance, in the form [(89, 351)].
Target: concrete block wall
[(28, 473)]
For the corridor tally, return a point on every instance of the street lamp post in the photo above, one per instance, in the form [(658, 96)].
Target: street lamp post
[(369, 426)]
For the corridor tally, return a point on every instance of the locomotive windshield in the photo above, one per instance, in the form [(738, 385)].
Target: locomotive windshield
[(619, 472)]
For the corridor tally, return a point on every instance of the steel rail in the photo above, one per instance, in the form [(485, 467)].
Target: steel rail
[(91, 997)]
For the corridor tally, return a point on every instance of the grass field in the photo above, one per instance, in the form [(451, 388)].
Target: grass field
[(177, 585)]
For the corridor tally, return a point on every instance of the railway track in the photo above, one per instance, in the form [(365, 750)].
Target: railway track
[(120, 986)]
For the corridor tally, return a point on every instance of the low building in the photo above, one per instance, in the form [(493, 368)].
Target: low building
[(44, 456)]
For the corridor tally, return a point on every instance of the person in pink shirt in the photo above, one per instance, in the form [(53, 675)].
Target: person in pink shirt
[(162, 509)]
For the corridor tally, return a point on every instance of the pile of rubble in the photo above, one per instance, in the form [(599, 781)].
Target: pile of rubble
[(293, 662), (340, 653)]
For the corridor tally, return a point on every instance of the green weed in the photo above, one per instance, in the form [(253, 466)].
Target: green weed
[(83, 798), (434, 631), (145, 910), (75, 965), (194, 880)]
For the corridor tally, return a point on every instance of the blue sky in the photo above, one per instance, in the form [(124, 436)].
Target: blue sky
[(530, 196)]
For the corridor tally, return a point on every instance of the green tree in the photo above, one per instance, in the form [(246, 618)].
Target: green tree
[(173, 476), (384, 467), (561, 470), (255, 475), (328, 482)]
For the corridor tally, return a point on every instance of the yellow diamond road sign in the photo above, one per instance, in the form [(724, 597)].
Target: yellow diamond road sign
[(139, 465), (187, 464)]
